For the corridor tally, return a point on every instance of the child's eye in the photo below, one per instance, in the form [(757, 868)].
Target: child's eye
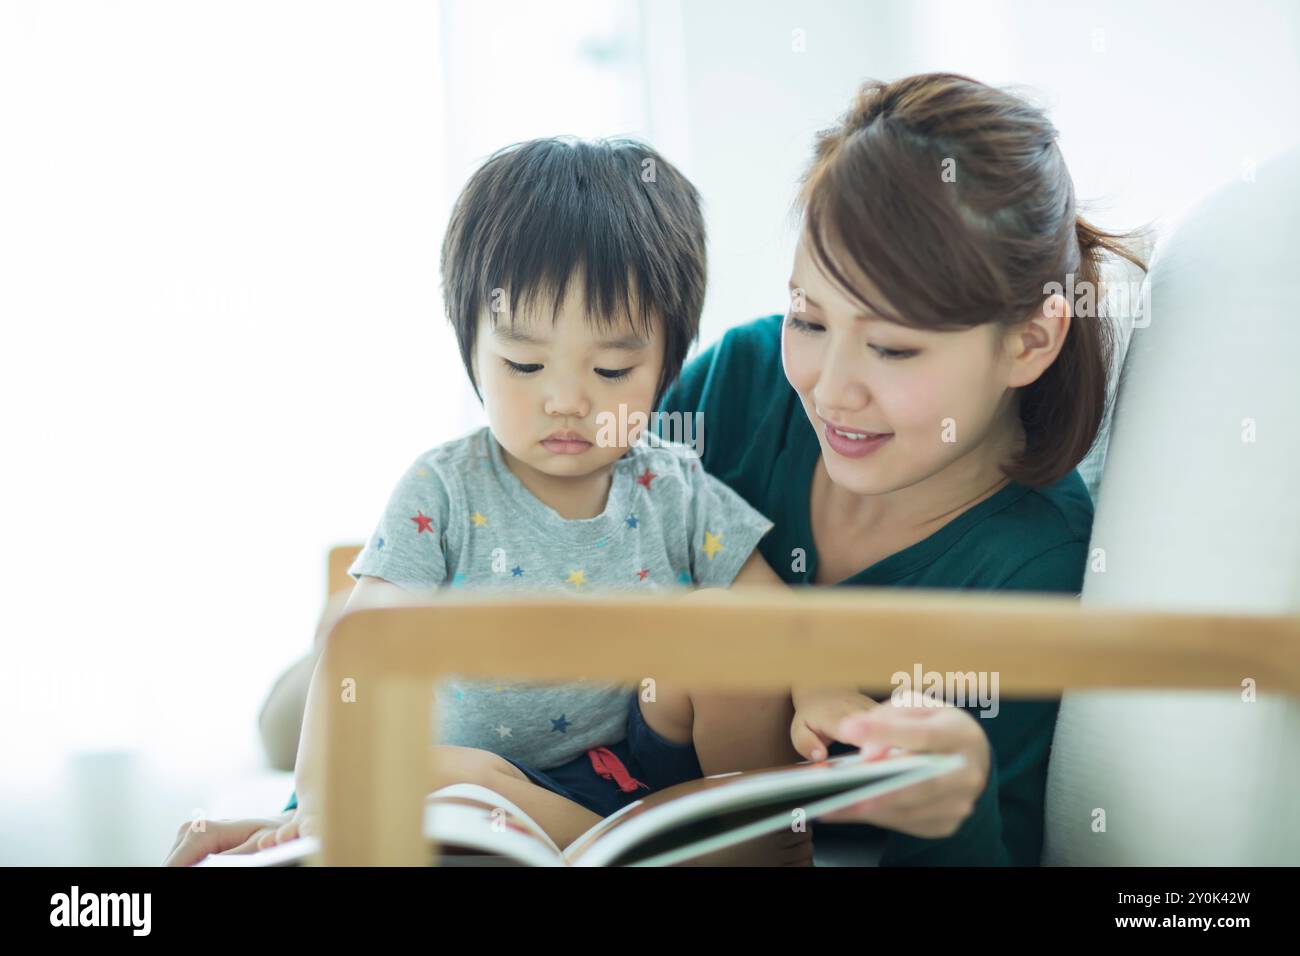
[(613, 374), (516, 369)]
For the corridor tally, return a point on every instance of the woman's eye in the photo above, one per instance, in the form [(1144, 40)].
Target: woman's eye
[(613, 374), (516, 369), (885, 353), (800, 325)]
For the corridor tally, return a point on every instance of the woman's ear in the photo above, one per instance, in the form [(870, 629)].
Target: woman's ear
[(1037, 341)]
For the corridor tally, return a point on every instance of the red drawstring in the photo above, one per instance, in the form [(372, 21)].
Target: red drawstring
[(610, 767)]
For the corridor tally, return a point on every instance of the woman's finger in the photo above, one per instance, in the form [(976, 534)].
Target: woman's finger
[(942, 730), (941, 818)]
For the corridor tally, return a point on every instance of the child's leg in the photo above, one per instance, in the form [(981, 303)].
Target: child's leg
[(731, 731), (735, 731), (562, 819)]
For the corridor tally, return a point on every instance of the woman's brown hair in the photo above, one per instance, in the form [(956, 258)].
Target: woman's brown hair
[(953, 199)]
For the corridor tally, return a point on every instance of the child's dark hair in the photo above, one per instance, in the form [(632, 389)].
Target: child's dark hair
[(536, 211), (979, 245)]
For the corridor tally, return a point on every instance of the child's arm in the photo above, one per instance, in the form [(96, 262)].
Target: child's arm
[(818, 710), (756, 572), (367, 592)]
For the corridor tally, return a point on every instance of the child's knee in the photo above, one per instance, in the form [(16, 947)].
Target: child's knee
[(472, 765)]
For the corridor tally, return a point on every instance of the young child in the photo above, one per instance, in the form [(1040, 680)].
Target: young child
[(574, 277)]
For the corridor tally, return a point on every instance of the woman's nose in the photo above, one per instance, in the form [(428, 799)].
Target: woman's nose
[(840, 389)]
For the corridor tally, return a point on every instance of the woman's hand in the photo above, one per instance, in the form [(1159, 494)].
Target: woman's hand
[(818, 713), (935, 807), (237, 836)]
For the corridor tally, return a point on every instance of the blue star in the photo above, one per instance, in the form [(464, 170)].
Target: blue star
[(516, 572), (602, 542), (561, 725), (457, 580), (381, 542), (684, 578), (631, 521)]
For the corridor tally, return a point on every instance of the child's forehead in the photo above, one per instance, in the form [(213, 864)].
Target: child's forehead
[(542, 325)]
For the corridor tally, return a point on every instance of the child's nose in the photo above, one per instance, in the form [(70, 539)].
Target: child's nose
[(570, 401)]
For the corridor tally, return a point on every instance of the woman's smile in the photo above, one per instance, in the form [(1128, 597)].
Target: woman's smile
[(849, 447)]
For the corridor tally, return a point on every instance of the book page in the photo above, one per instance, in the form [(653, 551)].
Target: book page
[(466, 819), (698, 816)]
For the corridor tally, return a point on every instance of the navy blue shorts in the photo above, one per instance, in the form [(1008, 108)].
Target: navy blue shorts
[(606, 779)]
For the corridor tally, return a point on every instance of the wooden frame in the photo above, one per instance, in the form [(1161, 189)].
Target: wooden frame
[(376, 760)]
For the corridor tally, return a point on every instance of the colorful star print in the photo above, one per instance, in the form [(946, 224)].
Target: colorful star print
[(576, 577), (641, 575), (516, 572), (645, 478), (712, 544), (478, 519), (423, 522), (562, 725), (631, 521)]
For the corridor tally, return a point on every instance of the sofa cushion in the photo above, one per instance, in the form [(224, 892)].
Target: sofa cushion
[(1197, 511)]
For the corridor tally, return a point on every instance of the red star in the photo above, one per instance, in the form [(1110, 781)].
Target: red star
[(641, 575), (424, 522), (645, 478)]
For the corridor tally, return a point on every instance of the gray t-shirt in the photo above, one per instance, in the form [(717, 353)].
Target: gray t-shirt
[(459, 518)]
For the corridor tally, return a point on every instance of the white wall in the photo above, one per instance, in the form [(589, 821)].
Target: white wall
[(1156, 103)]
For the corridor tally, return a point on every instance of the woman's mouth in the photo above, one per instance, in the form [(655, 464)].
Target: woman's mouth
[(850, 444)]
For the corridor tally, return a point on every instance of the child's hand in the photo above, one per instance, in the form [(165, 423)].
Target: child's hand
[(818, 714), (193, 842), (301, 824)]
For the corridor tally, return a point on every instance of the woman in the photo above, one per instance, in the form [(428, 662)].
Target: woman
[(915, 420), (940, 393)]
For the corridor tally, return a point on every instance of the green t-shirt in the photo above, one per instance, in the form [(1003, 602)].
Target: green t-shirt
[(757, 439)]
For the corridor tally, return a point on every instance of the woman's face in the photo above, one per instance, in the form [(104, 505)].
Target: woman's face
[(931, 397)]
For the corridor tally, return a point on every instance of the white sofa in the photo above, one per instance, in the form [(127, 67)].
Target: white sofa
[(1197, 510)]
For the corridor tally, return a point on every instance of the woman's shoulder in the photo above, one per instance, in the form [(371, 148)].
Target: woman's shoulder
[(1039, 541), (731, 361), (735, 379)]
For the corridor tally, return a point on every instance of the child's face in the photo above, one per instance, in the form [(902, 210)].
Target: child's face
[(537, 379), (937, 396)]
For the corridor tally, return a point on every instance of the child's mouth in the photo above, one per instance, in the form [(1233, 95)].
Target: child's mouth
[(565, 443)]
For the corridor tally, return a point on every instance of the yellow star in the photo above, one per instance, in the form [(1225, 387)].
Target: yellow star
[(575, 577), (712, 544), (421, 472), (478, 519)]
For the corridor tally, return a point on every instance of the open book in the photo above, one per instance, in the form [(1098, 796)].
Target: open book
[(473, 825)]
